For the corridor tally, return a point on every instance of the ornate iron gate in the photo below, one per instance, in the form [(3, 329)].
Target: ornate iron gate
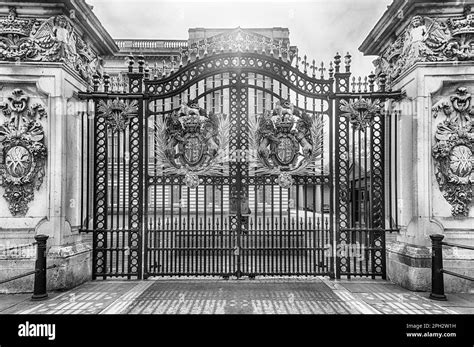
[(239, 163)]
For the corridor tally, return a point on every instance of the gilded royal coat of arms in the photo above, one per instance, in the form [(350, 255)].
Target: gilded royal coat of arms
[(286, 142), (192, 142)]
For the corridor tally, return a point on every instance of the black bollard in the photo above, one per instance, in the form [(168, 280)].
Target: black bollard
[(39, 291), (437, 281)]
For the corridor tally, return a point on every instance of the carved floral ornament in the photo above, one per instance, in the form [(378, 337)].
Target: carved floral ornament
[(454, 150), (23, 153), (429, 39), (51, 40)]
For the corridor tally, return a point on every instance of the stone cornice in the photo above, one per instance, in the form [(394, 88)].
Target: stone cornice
[(97, 33)]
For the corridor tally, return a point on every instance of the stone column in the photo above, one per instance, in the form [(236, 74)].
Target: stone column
[(41, 136), (425, 59)]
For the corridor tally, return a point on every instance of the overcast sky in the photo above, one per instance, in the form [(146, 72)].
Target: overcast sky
[(319, 28)]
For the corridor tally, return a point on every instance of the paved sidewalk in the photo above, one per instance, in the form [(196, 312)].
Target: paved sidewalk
[(216, 296)]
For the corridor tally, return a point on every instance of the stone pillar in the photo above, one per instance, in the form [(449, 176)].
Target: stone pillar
[(426, 59), (41, 136)]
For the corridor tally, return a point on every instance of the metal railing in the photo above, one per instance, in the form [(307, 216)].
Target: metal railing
[(437, 271), (39, 288)]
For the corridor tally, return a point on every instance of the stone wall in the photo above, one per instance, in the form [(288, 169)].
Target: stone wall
[(422, 49), (40, 136)]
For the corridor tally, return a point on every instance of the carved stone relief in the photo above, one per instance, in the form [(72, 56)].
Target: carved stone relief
[(429, 39), (51, 40), (454, 150), (23, 152)]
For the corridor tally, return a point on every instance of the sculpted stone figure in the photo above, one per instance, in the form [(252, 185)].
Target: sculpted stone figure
[(415, 42)]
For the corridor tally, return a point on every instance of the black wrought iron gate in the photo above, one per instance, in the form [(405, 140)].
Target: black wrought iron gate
[(239, 163)]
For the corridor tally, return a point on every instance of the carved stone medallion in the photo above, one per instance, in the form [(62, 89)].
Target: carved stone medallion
[(454, 150), (22, 138)]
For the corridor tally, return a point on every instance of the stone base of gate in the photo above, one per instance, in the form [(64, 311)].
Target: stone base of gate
[(409, 266), (73, 267)]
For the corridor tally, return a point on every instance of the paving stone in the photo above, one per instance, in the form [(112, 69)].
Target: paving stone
[(217, 296)]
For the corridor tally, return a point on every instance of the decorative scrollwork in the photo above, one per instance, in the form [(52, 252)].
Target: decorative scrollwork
[(117, 113), (22, 167), (192, 142), (248, 62), (454, 150), (285, 142), (360, 112)]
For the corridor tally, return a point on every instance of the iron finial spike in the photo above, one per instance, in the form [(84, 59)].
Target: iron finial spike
[(141, 63), (131, 61), (371, 81), (322, 69), (360, 84), (337, 62), (347, 61), (95, 81), (106, 82), (382, 81)]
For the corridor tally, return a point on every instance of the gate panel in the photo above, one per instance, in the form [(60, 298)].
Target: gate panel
[(254, 227), (113, 199), (361, 173)]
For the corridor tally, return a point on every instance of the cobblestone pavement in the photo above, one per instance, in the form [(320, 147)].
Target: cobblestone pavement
[(216, 296)]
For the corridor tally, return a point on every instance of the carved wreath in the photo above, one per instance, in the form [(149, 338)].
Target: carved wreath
[(192, 142), (22, 167), (285, 142)]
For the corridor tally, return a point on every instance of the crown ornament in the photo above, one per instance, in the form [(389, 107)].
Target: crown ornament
[(284, 123), (463, 25), (11, 25), (191, 124)]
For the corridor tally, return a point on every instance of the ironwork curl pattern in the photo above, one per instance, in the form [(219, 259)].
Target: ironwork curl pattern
[(229, 62)]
